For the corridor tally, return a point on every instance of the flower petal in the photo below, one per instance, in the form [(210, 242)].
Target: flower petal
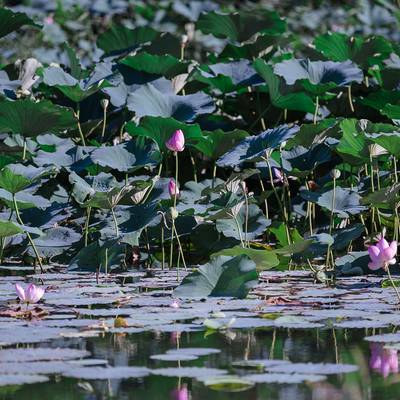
[(20, 291), (374, 253)]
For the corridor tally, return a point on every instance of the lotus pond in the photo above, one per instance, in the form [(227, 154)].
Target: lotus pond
[(199, 199)]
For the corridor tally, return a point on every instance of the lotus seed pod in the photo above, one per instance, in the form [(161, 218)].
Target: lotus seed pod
[(335, 174), (104, 103)]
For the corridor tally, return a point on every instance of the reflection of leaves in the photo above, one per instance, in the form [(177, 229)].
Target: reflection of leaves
[(222, 277)]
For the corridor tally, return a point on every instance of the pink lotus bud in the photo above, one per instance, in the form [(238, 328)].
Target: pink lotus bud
[(176, 142), (173, 188), (382, 254), (31, 294)]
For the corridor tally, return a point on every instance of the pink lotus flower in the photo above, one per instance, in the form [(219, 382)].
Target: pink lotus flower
[(384, 361), (173, 188), (176, 142), (31, 294), (181, 393), (278, 174), (382, 254)]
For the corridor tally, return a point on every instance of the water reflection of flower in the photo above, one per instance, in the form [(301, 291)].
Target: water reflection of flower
[(383, 360), (180, 393)]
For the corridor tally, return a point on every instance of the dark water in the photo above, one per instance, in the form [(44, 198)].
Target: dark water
[(339, 346)]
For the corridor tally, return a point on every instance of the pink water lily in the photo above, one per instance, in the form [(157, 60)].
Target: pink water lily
[(31, 294), (173, 188), (176, 142), (382, 254)]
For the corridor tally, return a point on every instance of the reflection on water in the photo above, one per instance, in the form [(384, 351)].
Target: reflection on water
[(377, 377), (383, 360)]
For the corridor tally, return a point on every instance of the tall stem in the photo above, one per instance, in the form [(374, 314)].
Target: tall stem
[(78, 113), (88, 211), (32, 243), (283, 212), (350, 98), (171, 252), (103, 130), (316, 110), (393, 284), (239, 229), (115, 222)]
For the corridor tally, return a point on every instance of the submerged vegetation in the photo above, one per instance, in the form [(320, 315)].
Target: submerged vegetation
[(157, 154)]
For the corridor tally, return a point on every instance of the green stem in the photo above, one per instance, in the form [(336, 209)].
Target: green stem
[(283, 212), (393, 284), (115, 222), (180, 248), (162, 248), (78, 112), (32, 243), (350, 99), (171, 252), (239, 229), (103, 130), (316, 110), (88, 211)]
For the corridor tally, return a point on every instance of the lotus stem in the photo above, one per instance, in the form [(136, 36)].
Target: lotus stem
[(246, 221), (192, 160), (265, 200), (115, 222), (77, 116), (393, 284), (180, 248), (162, 248), (350, 98), (395, 169), (32, 243), (103, 129), (173, 217), (88, 211), (283, 212), (316, 110), (239, 230), (24, 150)]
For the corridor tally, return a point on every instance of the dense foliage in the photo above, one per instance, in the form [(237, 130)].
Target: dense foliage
[(291, 136)]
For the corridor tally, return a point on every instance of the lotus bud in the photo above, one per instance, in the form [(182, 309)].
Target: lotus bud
[(104, 103), (176, 142), (173, 188), (184, 40), (335, 173)]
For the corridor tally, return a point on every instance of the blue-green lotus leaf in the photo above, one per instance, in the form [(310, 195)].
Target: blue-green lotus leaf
[(347, 201), (149, 101), (128, 156), (319, 72), (223, 276), (254, 148)]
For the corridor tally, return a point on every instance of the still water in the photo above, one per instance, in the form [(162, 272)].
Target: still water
[(371, 381)]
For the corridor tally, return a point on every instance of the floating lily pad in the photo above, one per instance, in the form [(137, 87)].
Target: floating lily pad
[(100, 373)]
